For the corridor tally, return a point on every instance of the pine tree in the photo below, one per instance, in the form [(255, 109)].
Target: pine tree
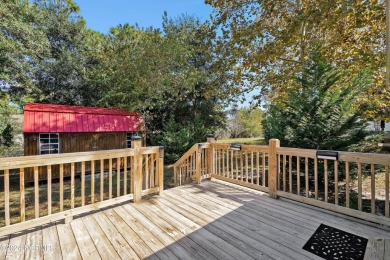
[(322, 113), (7, 136)]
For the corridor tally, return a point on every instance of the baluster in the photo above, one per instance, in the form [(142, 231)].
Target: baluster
[(290, 177), (72, 185), (336, 183), (298, 175), (6, 198), (101, 179), (92, 181), (22, 197), (307, 176), (49, 189), (372, 188), (326, 179), (347, 184), (36, 191), (61, 187), (82, 183), (360, 204)]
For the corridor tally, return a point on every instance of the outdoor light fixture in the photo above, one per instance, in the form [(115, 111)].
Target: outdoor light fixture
[(235, 147), (161, 149), (328, 155), (211, 136), (136, 138)]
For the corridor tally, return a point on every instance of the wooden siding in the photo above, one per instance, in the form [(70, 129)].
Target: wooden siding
[(71, 143)]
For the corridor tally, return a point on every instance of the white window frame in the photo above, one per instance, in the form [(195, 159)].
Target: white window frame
[(49, 143)]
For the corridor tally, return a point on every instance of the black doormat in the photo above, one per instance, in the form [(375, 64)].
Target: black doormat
[(332, 243)]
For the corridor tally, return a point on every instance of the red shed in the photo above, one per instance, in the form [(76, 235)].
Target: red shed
[(51, 129)]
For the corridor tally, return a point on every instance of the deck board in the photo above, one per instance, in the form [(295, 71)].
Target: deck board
[(213, 220)]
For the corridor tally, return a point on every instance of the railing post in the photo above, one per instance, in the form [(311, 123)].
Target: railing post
[(136, 173), (210, 163), (198, 177), (273, 168), (161, 170)]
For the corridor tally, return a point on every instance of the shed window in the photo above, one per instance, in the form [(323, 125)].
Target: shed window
[(49, 143), (129, 137)]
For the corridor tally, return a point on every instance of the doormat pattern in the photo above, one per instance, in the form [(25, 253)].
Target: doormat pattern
[(332, 243)]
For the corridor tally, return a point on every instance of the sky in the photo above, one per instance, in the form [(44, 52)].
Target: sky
[(101, 15)]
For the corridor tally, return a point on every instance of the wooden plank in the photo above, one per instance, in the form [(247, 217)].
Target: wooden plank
[(242, 183), (54, 159), (372, 188), (4, 242), (387, 192), (22, 196), (145, 233), (336, 183), (61, 187), (272, 167), (110, 178), (51, 241), (246, 224), (257, 167), (153, 159), (278, 182), (316, 178), (99, 238), (290, 174), (374, 158), (246, 167), (360, 190), (252, 166), (92, 181), (123, 249), (375, 249), (137, 176), (175, 231), (298, 175), (238, 239), (101, 180), (300, 214), (347, 181), (284, 172), (160, 171), (34, 244), (131, 237), (336, 208), (236, 155), (297, 152), (6, 198), (326, 181), (307, 176), (146, 178), (387, 250), (177, 247), (263, 166), (67, 241), (125, 176), (73, 212), (36, 192), (15, 246), (118, 177), (49, 180), (72, 185), (83, 240), (82, 183)]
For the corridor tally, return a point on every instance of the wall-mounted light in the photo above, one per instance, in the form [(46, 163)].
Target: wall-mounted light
[(161, 151), (235, 147), (328, 155)]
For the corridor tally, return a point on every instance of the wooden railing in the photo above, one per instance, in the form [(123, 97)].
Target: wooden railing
[(347, 184), (130, 174), (194, 165)]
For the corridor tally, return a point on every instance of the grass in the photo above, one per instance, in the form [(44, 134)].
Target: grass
[(252, 141)]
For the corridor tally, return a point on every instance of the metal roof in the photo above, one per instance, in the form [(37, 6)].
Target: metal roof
[(50, 118)]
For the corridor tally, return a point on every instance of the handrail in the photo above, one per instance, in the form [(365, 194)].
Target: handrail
[(297, 174), (139, 170)]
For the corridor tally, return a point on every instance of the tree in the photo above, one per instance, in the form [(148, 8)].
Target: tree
[(245, 122), (322, 113), (61, 75), (268, 43), (164, 75), (7, 136), (20, 45)]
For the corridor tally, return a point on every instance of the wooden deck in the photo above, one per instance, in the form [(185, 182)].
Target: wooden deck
[(213, 220)]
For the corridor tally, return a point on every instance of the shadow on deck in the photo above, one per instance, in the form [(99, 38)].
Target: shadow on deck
[(214, 220)]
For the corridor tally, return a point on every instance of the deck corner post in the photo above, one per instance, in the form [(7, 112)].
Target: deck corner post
[(273, 168), (137, 170), (161, 170), (211, 140)]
